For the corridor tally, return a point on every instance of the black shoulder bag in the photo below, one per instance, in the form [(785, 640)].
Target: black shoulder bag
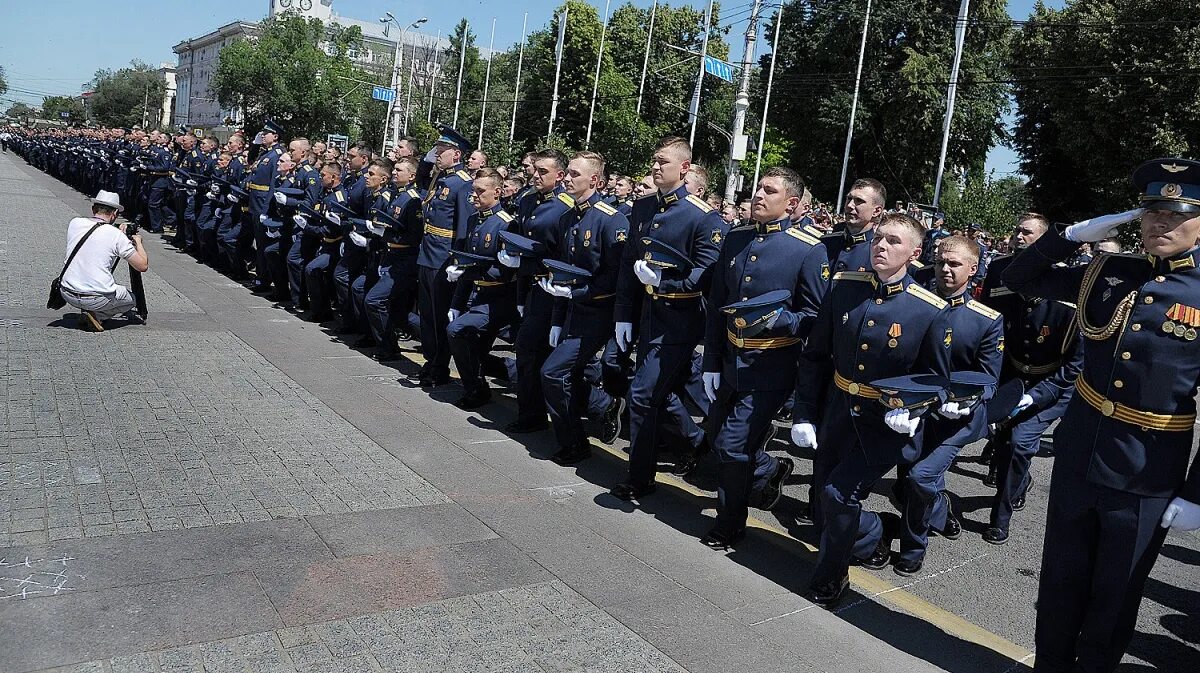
[(56, 300)]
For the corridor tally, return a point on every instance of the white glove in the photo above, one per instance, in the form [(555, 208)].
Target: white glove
[(274, 233), (375, 229), (521, 310), (554, 290), (649, 275), (1100, 228), (232, 198), (954, 410), (190, 192), (1182, 515), (1025, 402), (773, 319), (280, 198), (804, 435), (358, 239), (335, 218), (213, 195), (712, 381), (899, 420), (134, 169), (453, 314), (299, 220), (508, 260), (453, 273), (262, 218), (624, 334), (192, 183), (555, 335)]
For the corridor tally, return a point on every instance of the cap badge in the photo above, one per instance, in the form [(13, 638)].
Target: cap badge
[(1171, 190), (1173, 168)]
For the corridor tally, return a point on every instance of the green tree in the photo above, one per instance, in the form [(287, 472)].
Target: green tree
[(902, 100), (54, 106), (21, 110), (992, 204), (299, 73), (1084, 123), (129, 96)]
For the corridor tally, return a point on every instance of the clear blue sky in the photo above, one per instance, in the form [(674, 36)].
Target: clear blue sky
[(53, 47)]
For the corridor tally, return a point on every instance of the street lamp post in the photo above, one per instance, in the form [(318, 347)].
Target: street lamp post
[(393, 119)]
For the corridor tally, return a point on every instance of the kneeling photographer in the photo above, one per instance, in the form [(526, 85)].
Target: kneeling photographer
[(94, 250)]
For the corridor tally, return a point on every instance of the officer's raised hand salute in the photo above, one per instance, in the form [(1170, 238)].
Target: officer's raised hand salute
[(1121, 472), (871, 325), (767, 286)]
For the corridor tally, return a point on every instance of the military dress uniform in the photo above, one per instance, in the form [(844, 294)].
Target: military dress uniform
[(978, 346), (485, 297), (672, 317), (195, 163), (594, 241), (229, 224), (318, 273), (351, 269), (288, 285), (1042, 349), (445, 211), (261, 178), (865, 330), (848, 251), (157, 169), (1122, 448), (759, 372), (305, 242), (386, 304), (539, 218)]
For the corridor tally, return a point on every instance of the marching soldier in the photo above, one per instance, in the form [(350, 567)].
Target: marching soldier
[(767, 286), (850, 248), (318, 273), (1121, 476), (387, 302), (260, 179), (157, 166), (871, 325)]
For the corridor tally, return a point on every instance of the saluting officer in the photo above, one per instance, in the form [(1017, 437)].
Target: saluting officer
[(872, 325), (1043, 351), (978, 346), (1121, 474), (672, 323), (485, 294), (752, 346), (582, 322), (446, 211)]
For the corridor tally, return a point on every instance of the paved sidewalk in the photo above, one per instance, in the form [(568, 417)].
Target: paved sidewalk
[(228, 488)]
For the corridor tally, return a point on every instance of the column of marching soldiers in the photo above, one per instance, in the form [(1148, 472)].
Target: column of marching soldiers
[(877, 361)]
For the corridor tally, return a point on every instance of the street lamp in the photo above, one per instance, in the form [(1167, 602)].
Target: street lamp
[(397, 62)]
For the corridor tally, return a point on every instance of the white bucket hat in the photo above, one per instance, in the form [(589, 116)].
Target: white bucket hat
[(109, 199)]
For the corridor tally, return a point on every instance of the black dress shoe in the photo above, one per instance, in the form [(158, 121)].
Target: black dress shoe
[(474, 399), (1019, 502), (385, 355), (828, 594), (688, 462), (804, 513), (953, 528), (527, 425), (878, 560), (722, 540), (773, 491), (260, 290), (993, 475), (986, 455), (431, 381), (627, 491), (610, 425), (569, 455), (907, 568), (995, 535)]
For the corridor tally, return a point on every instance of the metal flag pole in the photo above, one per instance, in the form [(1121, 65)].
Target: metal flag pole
[(646, 59), (862, 50), (512, 128), (960, 36), (695, 107), (462, 62), (437, 68), (487, 79), (762, 130), (412, 75), (562, 38), (587, 140)]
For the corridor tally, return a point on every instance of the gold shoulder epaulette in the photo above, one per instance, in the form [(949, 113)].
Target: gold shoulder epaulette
[(797, 232), (503, 214), (339, 195), (813, 231), (921, 293), (279, 151), (916, 264), (414, 193), (566, 198), (863, 276), (386, 195), (699, 203), (605, 208), (983, 310), (651, 195), (464, 175)]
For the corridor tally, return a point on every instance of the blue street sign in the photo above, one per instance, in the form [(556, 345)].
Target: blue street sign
[(718, 68), (383, 93), (64, 115)]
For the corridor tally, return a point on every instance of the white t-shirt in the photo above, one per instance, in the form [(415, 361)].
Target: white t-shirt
[(91, 270)]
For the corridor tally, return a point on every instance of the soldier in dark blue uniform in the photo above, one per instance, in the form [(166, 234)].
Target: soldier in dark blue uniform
[(372, 193), (750, 365), (195, 162), (582, 322), (850, 248), (978, 346), (539, 217), (230, 221), (260, 178), (387, 302), (1042, 350), (872, 325), (304, 243), (157, 169), (936, 233), (673, 310), (447, 207), (1121, 475), (318, 273), (485, 294)]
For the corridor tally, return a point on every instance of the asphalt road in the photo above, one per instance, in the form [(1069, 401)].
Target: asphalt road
[(227, 488)]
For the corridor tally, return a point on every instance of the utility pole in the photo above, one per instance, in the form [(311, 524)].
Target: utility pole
[(762, 129), (695, 107), (960, 35), (862, 51), (145, 103), (737, 146), (437, 69)]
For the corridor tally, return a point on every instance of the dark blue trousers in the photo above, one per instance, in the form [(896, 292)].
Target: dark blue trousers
[(848, 530), (471, 336), (159, 204), (304, 248), (533, 347), (744, 418), (389, 298), (568, 393), (434, 294), (318, 278), (662, 369), (349, 268), (1015, 449), (922, 506), (206, 231), (229, 241)]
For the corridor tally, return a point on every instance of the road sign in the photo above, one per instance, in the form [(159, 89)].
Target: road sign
[(383, 93), (718, 68), (64, 115)]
